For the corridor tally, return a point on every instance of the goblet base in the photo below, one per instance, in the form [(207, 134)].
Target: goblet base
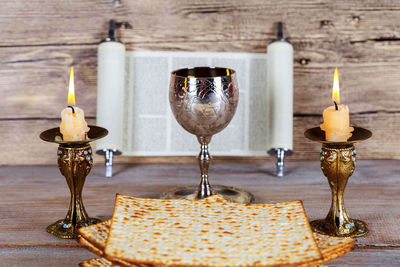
[(357, 228), (229, 193), (65, 229)]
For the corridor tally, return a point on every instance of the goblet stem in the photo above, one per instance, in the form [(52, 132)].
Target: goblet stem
[(204, 189), (338, 164)]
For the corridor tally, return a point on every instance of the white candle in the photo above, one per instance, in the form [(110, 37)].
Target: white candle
[(280, 94), (73, 126), (336, 118)]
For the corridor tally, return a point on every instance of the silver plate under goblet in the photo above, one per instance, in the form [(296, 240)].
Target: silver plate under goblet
[(203, 101)]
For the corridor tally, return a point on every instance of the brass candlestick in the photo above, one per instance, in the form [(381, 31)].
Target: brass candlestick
[(338, 162), (74, 161)]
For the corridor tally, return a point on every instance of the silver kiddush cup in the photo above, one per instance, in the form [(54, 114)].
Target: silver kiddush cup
[(203, 101)]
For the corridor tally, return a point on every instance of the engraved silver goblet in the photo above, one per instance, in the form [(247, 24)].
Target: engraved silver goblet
[(203, 101)]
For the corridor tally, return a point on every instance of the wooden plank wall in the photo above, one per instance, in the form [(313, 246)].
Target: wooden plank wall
[(41, 40)]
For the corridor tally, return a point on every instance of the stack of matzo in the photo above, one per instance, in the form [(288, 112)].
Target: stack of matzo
[(209, 232)]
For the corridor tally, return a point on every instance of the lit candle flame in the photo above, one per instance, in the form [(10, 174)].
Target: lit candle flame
[(71, 90), (335, 89)]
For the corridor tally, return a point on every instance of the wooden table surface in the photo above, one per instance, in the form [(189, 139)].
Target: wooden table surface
[(33, 197)]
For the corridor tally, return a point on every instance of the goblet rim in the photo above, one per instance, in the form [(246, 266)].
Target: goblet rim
[(227, 72)]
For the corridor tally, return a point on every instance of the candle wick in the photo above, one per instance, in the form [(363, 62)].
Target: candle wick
[(336, 107), (73, 110)]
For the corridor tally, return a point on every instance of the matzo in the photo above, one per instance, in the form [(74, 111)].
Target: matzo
[(96, 236), (330, 247), (98, 262), (90, 246), (330, 244), (102, 262), (212, 232)]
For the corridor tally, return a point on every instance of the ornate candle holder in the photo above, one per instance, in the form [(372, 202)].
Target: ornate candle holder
[(338, 162), (74, 161)]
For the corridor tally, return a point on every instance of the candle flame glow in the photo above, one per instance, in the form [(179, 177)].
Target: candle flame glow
[(71, 89), (335, 89)]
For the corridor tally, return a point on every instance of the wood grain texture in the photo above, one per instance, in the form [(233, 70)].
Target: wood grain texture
[(33, 197), (43, 256), (67, 257), (42, 39), (78, 22), (369, 257)]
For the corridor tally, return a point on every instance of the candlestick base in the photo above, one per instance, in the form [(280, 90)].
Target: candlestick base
[(67, 229), (75, 161), (355, 228), (338, 163), (229, 193)]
